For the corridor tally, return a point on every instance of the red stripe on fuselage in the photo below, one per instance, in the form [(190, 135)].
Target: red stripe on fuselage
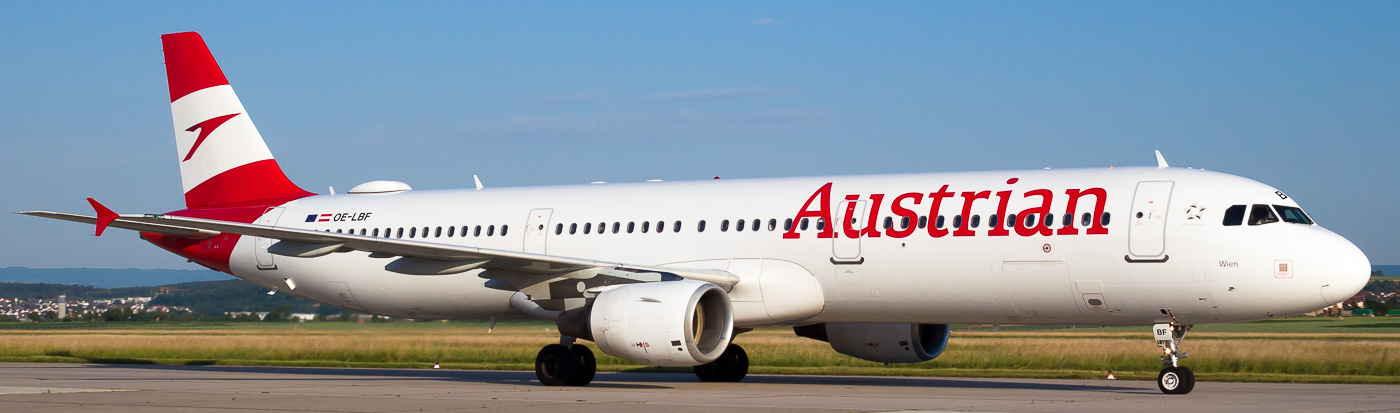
[(189, 66), (215, 252)]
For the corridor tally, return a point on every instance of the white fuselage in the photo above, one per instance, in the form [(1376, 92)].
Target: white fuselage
[(1176, 260)]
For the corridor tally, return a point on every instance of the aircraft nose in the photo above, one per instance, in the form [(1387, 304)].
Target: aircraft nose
[(1345, 270)]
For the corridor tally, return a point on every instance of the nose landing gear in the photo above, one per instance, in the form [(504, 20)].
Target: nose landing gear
[(1173, 379), (565, 364)]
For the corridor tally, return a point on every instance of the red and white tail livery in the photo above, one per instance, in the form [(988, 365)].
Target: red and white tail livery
[(667, 273), (223, 159)]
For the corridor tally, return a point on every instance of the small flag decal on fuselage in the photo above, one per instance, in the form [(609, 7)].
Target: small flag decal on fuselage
[(318, 218)]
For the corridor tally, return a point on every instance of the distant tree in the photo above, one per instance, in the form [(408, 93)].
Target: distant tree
[(50, 315), (34, 316), (1377, 306)]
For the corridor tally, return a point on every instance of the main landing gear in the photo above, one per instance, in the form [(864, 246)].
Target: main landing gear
[(565, 364), (732, 365), (1173, 379)]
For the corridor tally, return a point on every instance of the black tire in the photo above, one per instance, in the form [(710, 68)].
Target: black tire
[(731, 366), (555, 365), (737, 361), (587, 366), (1176, 380)]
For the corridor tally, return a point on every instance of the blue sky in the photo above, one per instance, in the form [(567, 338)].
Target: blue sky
[(1304, 96)]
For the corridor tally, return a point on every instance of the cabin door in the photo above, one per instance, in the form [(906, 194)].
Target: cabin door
[(1147, 221), (845, 250), (260, 244), (537, 230)]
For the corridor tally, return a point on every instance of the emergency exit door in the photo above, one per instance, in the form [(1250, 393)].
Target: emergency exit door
[(1147, 229)]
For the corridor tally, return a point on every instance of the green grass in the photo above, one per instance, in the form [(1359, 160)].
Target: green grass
[(1351, 350)]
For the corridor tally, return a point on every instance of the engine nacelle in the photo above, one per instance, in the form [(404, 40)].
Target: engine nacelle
[(669, 323), (881, 342)]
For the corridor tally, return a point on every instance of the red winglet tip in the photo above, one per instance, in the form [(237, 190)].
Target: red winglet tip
[(105, 216)]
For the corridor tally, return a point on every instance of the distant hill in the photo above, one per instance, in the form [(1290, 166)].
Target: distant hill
[(1387, 269), (203, 297), (107, 277)]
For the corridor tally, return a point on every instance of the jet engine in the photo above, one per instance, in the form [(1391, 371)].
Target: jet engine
[(881, 342), (669, 323)]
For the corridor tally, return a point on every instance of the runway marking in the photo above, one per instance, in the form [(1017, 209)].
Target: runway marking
[(51, 390)]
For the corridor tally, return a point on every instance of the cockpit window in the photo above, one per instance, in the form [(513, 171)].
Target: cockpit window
[(1261, 214), (1234, 215), (1293, 214)]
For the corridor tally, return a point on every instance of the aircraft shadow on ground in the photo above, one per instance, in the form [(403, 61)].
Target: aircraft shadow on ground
[(618, 380)]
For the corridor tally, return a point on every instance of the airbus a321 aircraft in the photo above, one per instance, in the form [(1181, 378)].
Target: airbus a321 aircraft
[(667, 273)]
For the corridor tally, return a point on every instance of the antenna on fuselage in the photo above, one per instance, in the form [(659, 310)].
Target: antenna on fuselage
[(478, 182), (1161, 161)]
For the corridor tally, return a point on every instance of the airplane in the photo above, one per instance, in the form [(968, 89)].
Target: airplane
[(879, 266)]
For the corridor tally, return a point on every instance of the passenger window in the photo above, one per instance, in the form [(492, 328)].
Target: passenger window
[(412, 232), (362, 231), (1084, 220), (631, 226), (700, 226), (558, 229), (923, 222), (602, 227), (660, 226), (724, 226), (451, 231), (938, 222), (1049, 220), (889, 222), (1293, 214), (957, 221), (755, 223), (976, 220), (1234, 216), (437, 233), (573, 228), (376, 232), (904, 223), (1011, 220), (1261, 214), (739, 226), (787, 224), (491, 230), (676, 226), (338, 231), (503, 229), (617, 226), (772, 224), (587, 228), (803, 225), (1104, 220), (646, 226), (1068, 219), (425, 232), (821, 224), (993, 222), (477, 232), (1030, 220)]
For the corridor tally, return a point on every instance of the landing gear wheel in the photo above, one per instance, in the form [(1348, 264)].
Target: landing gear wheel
[(1176, 380), (587, 366), (731, 366), (556, 365)]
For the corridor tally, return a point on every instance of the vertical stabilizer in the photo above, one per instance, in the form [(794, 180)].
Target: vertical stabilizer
[(223, 159)]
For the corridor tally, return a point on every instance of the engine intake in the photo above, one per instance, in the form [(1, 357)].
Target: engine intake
[(881, 342), (670, 323)]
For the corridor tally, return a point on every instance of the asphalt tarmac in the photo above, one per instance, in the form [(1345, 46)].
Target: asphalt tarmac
[(32, 387)]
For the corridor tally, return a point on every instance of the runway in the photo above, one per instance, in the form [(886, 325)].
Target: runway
[(31, 387)]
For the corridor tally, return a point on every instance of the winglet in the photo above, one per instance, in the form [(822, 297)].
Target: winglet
[(104, 216), (1161, 161)]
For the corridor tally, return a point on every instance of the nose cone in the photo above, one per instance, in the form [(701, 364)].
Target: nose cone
[(1345, 271)]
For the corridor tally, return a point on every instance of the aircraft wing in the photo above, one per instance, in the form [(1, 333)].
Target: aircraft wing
[(530, 273)]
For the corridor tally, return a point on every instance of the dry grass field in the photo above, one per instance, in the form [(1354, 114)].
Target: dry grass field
[(1317, 350)]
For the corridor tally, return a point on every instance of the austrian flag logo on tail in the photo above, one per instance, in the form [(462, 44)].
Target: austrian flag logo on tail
[(205, 128)]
